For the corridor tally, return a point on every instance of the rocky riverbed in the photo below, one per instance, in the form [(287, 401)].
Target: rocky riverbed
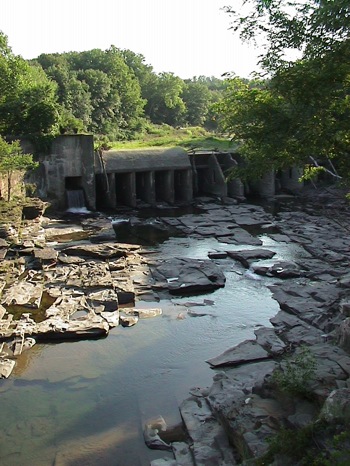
[(73, 279)]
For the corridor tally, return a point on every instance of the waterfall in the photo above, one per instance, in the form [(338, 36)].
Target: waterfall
[(76, 200)]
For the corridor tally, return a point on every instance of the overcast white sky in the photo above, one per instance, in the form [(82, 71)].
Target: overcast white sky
[(187, 37)]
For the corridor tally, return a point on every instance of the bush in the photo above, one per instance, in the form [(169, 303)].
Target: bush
[(297, 374)]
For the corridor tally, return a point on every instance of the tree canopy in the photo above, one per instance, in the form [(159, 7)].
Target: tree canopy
[(27, 96), (300, 114)]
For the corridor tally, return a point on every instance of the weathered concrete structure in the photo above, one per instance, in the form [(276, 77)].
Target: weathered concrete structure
[(149, 175), (74, 175), (68, 169)]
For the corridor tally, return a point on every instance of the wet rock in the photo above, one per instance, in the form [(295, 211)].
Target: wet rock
[(217, 255), (184, 276), (56, 328), (240, 236), (6, 367), (280, 238), (112, 318), (143, 313), (281, 269), (248, 256), (128, 321), (151, 434), (247, 351)]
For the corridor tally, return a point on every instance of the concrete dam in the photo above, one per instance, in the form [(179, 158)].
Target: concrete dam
[(74, 173)]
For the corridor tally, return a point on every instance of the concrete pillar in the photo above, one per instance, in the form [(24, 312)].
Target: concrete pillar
[(266, 185), (164, 181), (145, 187), (235, 187), (126, 189), (289, 180), (183, 185), (111, 193), (214, 182)]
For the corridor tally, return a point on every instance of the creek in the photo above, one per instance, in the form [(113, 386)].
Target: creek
[(85, 403)]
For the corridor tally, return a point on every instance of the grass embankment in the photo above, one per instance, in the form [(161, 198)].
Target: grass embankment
[(188, 138)]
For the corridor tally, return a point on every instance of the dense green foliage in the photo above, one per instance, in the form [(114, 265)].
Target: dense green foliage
[(300, 115), (111, 93), (27, 97), (12, 159), (115, 93)]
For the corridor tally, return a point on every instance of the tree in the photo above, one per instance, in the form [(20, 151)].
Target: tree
[(12, 159), (196, 97), (299, 116), (28, 101), (312, 27), (164, 100)]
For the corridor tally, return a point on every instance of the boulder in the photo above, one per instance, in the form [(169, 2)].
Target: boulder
[(336, 408), (151, 432), (187, 276), (343, 333), (128, 321), (281, 269), (267, 338)]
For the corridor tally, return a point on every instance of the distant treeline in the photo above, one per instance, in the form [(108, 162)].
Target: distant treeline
[(114, 92), (106, 92)]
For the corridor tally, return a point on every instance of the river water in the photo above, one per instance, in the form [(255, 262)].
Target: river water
[(85, 403)]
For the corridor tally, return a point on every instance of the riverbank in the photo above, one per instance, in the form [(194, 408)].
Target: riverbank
[(310, 292), (284, 397)]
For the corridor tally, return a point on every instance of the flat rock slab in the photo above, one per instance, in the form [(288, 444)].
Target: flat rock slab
[(101, 251), (184, 276), (45, 254), (239, 236), (247, 256), (247, 351)]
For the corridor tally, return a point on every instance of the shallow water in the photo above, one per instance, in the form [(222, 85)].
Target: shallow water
[(85, 403)]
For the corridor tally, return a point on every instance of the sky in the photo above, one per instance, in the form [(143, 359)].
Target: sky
[(187, 37)]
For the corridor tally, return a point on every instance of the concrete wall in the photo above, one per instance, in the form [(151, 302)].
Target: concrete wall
[(235, 187), (70, 160), (209, 176)]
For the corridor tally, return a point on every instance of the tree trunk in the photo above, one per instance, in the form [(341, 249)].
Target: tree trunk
[(9, 186)]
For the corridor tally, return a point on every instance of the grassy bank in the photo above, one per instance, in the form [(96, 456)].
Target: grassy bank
[(165, 136)]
